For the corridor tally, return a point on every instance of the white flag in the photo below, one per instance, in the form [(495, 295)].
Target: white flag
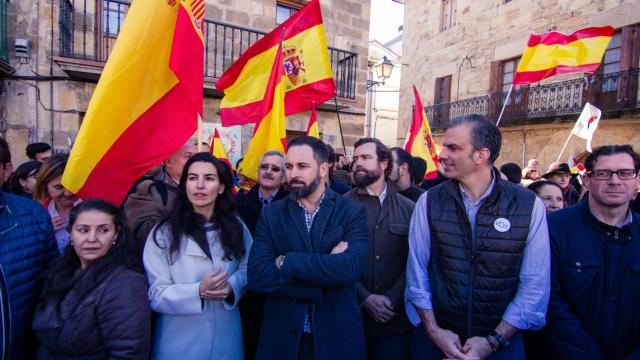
[(587, 123)]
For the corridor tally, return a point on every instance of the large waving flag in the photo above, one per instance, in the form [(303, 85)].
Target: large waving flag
[(419, 140), (270, 132), (217, 149), (147, 102), (306, 61), (555, 53), (312, 128)]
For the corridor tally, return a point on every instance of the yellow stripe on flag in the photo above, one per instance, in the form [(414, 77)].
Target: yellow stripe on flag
[(577, 53), (251, 84)]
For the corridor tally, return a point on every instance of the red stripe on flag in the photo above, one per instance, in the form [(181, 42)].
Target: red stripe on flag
[(319, 91), (308, 17), (160, 130), (528, 77), (558, 38)]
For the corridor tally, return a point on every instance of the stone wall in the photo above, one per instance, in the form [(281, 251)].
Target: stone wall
[(24, 113), (486, 31)]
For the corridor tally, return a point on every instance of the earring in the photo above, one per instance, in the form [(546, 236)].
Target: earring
[(114, 243)]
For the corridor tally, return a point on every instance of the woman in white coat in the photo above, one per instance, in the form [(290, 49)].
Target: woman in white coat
[(196, 264)]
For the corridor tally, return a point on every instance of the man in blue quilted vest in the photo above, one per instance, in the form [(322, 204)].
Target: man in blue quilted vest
[(478, 270), (27, 248)]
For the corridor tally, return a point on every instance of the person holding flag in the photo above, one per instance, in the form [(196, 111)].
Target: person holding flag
[(420, 142)]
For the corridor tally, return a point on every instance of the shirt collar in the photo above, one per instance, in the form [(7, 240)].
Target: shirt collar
[(317, 206), (269, 198), (468, 199), (382, 196)]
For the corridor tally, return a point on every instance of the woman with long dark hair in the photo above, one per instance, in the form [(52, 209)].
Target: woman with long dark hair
[(94, 304), (23, 179), (196, 264)]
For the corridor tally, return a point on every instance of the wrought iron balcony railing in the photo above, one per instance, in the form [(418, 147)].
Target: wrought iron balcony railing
[(88, 30), (611, 92)]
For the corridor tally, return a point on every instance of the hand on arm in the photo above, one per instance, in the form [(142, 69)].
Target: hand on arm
[(447, 341)]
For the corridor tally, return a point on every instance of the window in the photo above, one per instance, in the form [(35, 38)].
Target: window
[(283, 12), (113, 16), (611, 64), (448, 14), (509, 68)]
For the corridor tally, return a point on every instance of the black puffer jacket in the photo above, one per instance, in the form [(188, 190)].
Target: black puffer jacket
[(111, 321)]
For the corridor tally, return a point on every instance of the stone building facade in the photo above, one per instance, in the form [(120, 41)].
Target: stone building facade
[(44, 96), (462, 54)]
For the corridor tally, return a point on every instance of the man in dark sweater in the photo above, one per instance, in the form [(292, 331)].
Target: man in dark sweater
[(401, 174), (380, 291), (594, 310)]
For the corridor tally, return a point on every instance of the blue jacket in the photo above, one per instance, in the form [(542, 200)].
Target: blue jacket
[(311, 279), (594, 309), (27, 248)]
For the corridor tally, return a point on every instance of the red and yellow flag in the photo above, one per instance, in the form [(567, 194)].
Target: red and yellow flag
[(307, 68), (217, 149), (420, 141), (555, 53), (270, 132), (147, 102), (312, 128)]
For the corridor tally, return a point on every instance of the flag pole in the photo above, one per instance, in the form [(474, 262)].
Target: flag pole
[(199, 146), (506, 101), (564, 147), (335, 100)]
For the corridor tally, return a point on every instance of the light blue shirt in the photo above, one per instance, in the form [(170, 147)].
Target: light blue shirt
[(529, 306)]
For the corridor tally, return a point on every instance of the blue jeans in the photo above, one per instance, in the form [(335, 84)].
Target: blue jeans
[(422, 348)]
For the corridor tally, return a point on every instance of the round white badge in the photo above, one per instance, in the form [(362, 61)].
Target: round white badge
[(502, 225)]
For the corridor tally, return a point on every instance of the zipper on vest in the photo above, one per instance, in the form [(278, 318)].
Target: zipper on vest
[(472, 261)]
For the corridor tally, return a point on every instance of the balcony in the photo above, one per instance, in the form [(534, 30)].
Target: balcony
[(4, 38), (88, 30), (614, 94)]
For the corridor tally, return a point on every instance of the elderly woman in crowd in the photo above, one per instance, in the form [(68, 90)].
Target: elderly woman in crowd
[(23, 179), (54, 197), (550, 193), (196, 263), (94, 304)]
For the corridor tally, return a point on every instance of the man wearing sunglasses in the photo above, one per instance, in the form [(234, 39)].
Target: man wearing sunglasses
[(269, 189), (594, 309)]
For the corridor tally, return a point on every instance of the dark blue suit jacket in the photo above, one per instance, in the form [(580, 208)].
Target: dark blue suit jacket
[(310, 278)]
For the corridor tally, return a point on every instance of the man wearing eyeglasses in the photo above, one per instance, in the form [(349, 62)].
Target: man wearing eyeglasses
[(594, 309), (269, 189)]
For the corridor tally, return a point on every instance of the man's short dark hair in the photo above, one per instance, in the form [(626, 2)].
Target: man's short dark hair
[(320, 151), (419, 169), (403, 157), (5, 153), (37, 148), (484, 134), (382, 151), (512, 171), (607, 150)]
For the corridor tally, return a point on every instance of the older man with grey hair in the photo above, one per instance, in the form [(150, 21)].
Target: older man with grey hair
[(269, 189)]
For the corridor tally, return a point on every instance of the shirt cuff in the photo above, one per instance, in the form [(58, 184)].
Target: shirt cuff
[(416, 300), (522, 319)]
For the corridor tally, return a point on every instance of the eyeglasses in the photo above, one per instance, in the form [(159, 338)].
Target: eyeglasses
[(266, 167), (623, 174)]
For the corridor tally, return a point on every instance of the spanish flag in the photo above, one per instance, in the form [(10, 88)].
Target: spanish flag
[(147, 102), (312, 128), (270, 132), (307, 68), (217, 150), (420, 141), (555, 53)]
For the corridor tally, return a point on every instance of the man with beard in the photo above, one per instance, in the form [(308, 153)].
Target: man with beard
[(478, 266), (269, 189), (380, 291), (308, 252), (401, 174)]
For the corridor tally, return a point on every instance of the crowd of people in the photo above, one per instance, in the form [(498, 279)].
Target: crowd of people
[(326, 257)]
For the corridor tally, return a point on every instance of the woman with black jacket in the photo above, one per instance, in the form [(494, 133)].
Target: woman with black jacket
[(94, 304)]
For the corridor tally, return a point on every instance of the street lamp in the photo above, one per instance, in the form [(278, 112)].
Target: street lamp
[(383, 72)]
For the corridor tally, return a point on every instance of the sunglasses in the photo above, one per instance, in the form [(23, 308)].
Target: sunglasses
[(274, 168)]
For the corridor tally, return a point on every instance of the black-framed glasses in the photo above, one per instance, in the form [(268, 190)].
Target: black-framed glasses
[(623, 174), (274, 168)]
